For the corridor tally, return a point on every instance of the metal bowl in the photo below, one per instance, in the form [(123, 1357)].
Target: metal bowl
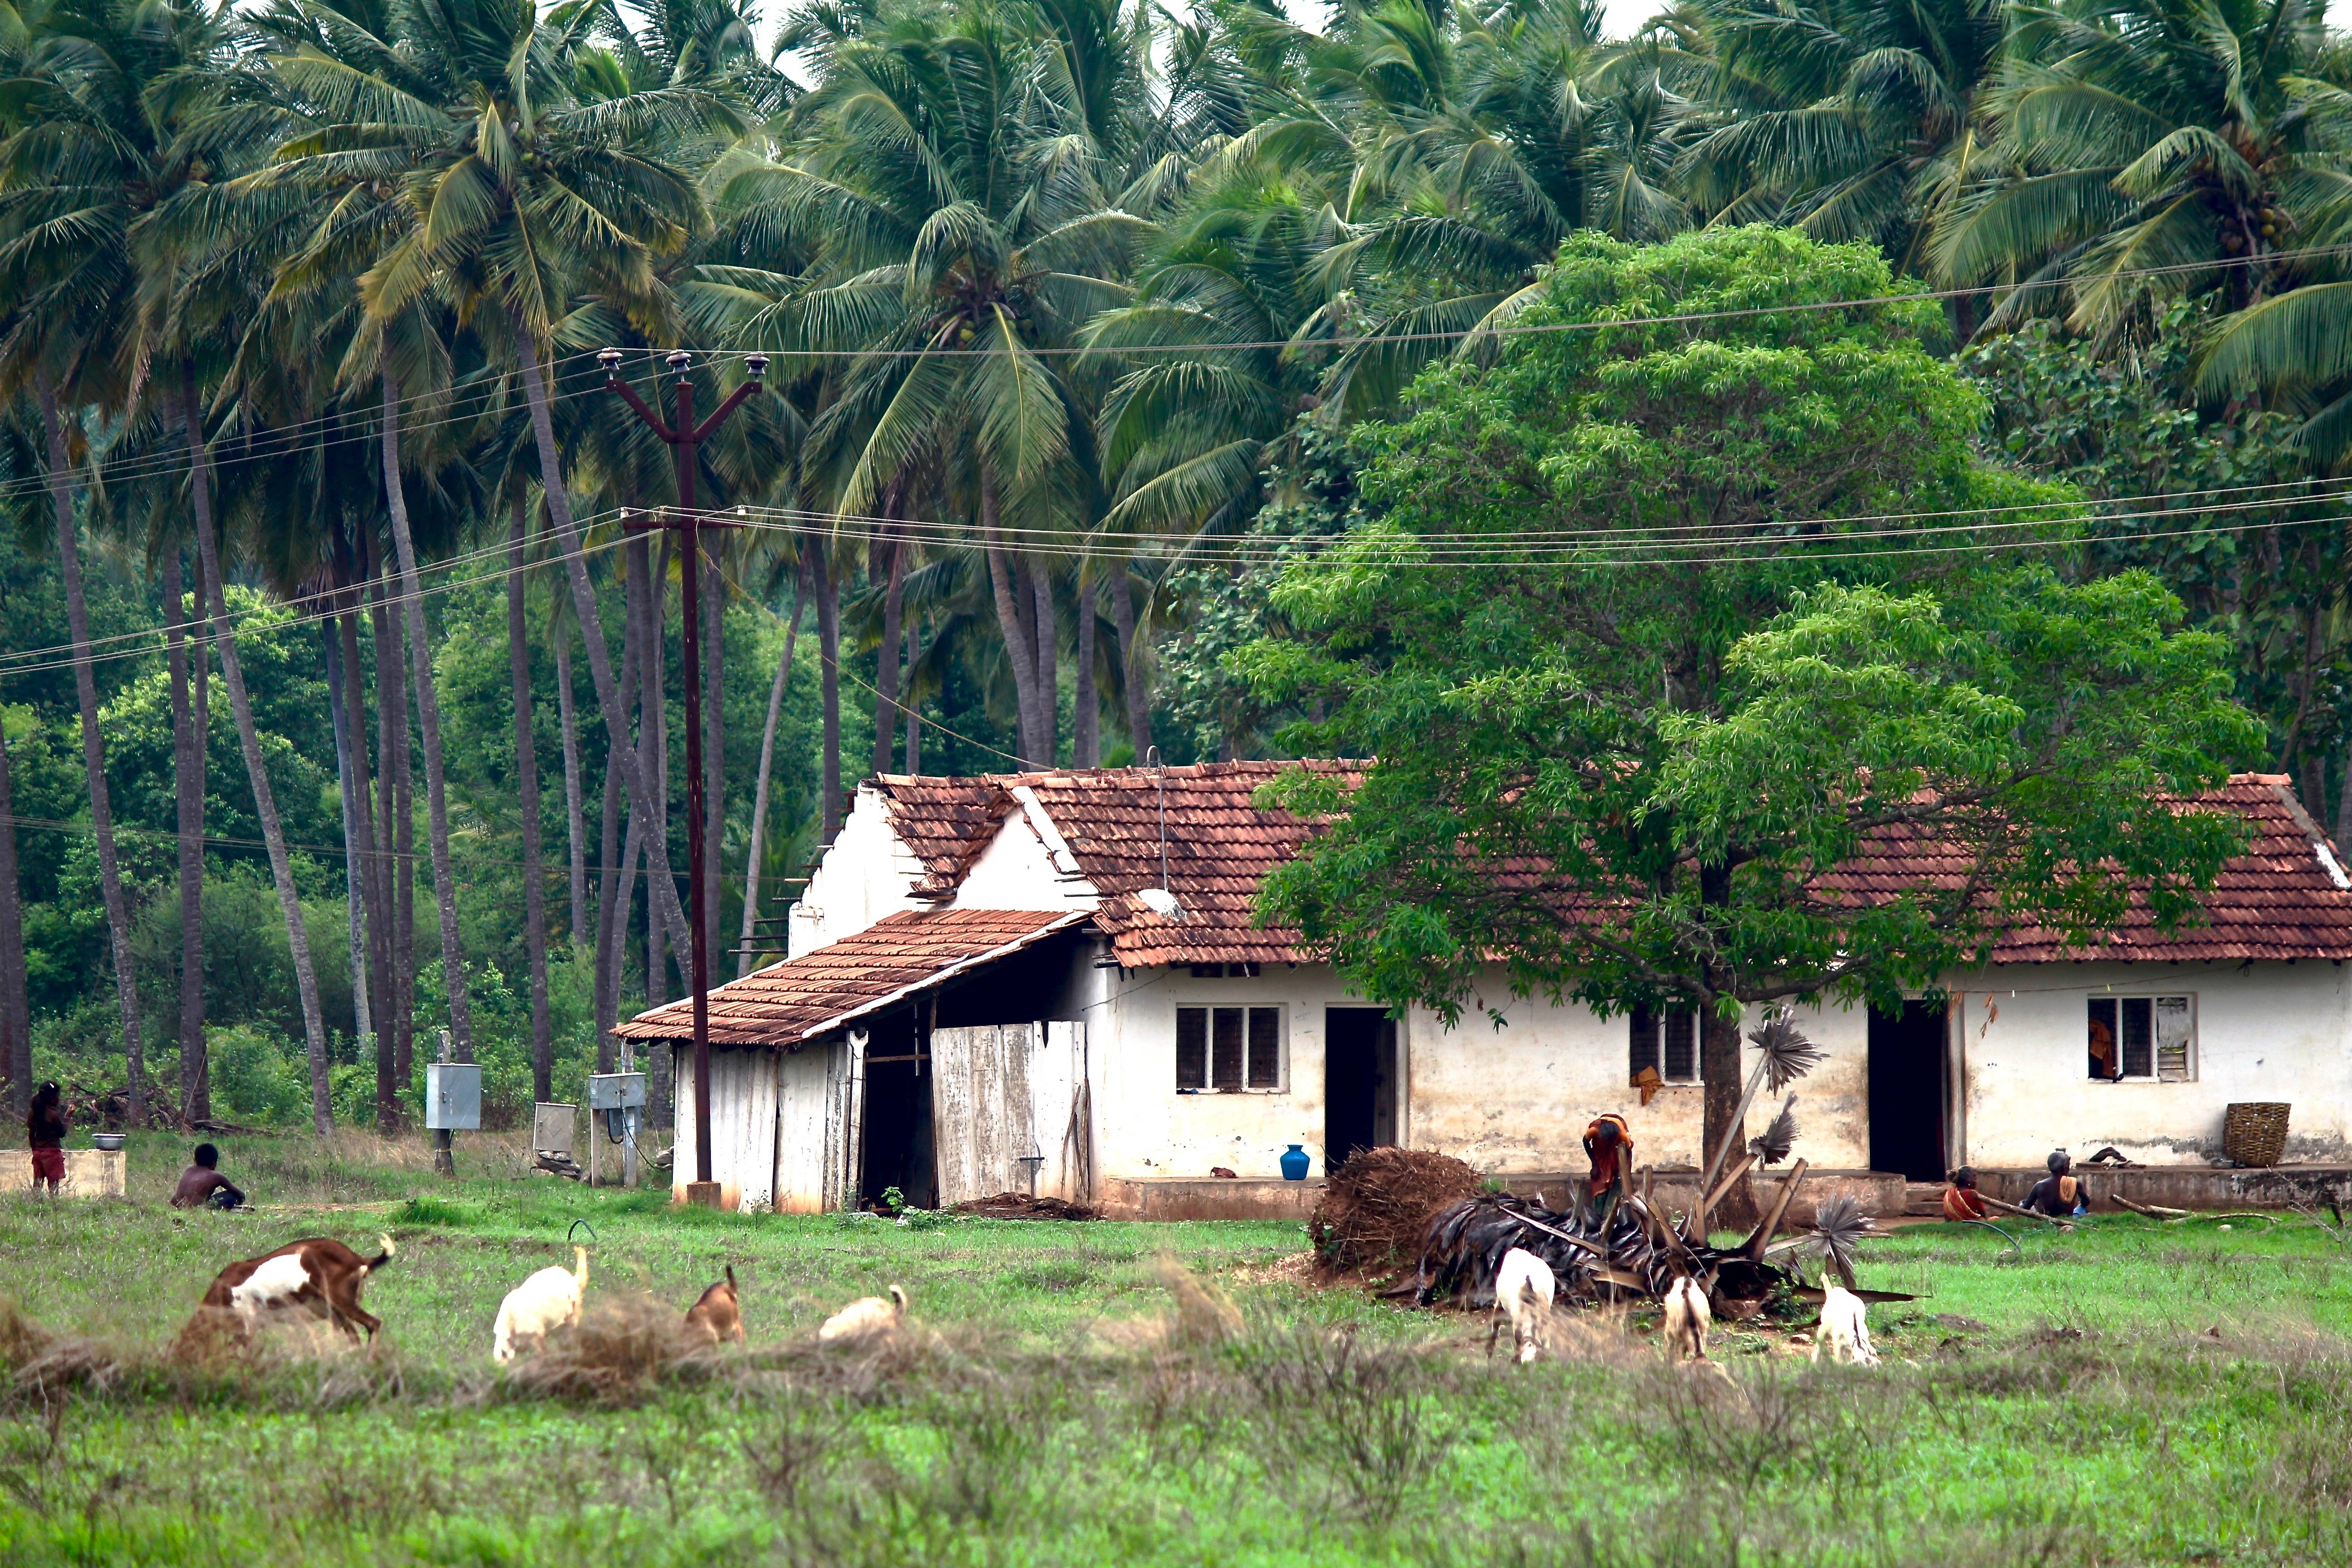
[(109, 1141)]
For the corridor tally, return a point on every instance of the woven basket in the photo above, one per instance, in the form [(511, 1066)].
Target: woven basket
[(2253, 1133)]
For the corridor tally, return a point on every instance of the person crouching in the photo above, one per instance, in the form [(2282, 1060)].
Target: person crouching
[(202, 1186)]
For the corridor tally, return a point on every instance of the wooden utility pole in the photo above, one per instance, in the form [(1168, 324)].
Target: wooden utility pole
[(685, 438)]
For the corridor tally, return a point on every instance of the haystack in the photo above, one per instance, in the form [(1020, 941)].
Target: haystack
[(1378, 1204)]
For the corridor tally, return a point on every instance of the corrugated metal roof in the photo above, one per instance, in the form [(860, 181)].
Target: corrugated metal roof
[(2280, 899), (794, 1002)]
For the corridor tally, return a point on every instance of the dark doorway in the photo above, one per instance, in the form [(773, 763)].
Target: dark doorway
[(1360, 1081), (894, 1149), (1906, 1091)]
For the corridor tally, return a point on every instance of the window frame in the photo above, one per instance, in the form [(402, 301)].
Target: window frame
[(1644, 1020), (1251, 1012), (2116, 1004)]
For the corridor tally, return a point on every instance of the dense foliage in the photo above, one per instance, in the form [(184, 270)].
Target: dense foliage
[(1107, 344)]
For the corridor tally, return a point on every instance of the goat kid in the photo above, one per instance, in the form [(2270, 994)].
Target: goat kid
[(315, 1275), (866, 1317), (1524, 1289), (548, 1301), (1688, 1319), (1844, 1329), (717, 1318)]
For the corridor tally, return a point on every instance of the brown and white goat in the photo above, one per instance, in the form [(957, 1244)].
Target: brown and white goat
[(316, 1275), (717, 1318)]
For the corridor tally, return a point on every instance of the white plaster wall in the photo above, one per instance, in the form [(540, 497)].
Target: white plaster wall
[(2265, 1032), (1025, 866), (1509, 1101), (862, 878)]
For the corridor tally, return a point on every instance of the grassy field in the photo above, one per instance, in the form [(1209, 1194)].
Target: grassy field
[(2128, 1394)]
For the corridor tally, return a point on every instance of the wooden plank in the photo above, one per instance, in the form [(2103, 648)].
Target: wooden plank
[(803, 1127), (953, 1118)]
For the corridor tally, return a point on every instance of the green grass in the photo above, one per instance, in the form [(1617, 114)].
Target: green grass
[(2135, 1394)]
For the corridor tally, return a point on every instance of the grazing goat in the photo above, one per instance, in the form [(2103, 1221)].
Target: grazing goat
[(717, 1316), (1844, 1329), (866, 1317), (548, 1301), (317, 1276), (1524, 1287), (1688, 1318)]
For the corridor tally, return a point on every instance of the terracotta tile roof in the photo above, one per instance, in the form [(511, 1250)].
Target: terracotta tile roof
[(2278, 901), (1220, 848), (946, 822), (791, 1003), (2284, 898)]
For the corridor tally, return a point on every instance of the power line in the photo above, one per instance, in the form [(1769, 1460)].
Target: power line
[(242, 629)]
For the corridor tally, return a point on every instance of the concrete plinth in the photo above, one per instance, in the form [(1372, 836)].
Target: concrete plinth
[(1216, 1198), (89, 1173)]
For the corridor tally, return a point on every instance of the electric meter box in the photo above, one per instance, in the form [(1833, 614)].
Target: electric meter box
[(453, 1096), (616, 1090)]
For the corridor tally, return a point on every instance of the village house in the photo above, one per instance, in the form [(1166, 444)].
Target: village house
[(1051, 982)]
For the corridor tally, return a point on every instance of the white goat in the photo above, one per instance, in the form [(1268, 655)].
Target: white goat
[(548, 1301), (865, 1318), (1524, 1289), (1844, 1329), (275, 1283), (1688, 1318)]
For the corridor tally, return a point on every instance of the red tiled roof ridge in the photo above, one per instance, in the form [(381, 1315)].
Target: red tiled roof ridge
[(2277, 901)]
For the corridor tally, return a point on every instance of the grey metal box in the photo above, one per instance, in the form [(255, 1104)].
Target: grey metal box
[(453, 1095), (616, 1090), (551, 1127)]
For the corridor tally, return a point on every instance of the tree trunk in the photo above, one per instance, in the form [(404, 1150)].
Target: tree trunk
[(265, 803), (188, 788), (1049, 683), (913, 701), (534, 890), (93, 749), (428, 722), (576, 828), (374, 893), (399, 823), (886, 660), (828, 648), (1130, 659), (1011, 624), (15, 1010), (759, 849), (1720, 1069), (1085, 715), (192, 943), (615, 892), (340, 705), (591, 630), (2344, 805)]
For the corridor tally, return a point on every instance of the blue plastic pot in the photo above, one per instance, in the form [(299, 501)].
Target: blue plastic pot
[(1295, 1164)]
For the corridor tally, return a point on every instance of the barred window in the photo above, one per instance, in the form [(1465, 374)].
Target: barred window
[(1666, 1040), (2142, 1039), (1229, 1049)]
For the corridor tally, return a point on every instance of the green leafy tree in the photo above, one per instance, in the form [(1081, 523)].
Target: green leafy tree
[(1621, 765), (2218, 502)]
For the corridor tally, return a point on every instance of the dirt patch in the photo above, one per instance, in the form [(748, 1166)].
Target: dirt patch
[(1019, 1206), (1299, 1269), (1376, 1206)]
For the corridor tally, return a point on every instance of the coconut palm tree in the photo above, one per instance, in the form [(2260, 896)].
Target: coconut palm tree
[(2143, 151), (1852, 119)]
